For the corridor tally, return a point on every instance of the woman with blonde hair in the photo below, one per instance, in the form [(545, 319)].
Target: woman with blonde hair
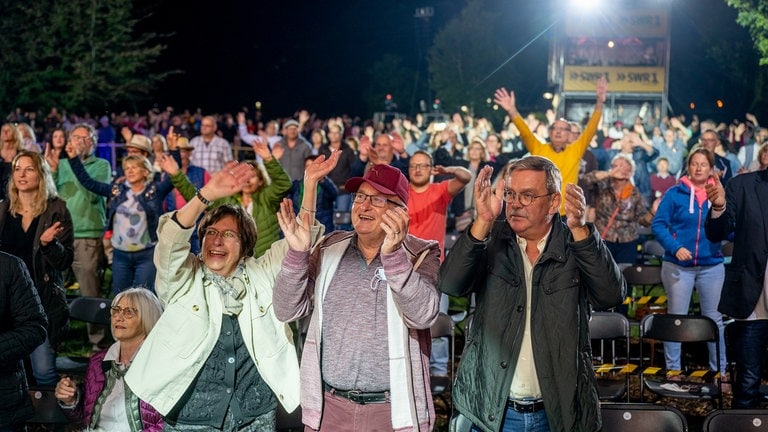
[(104, 402), (134, 208), (36, 226)]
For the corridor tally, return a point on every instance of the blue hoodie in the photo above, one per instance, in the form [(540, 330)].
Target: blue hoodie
[(679, 222)]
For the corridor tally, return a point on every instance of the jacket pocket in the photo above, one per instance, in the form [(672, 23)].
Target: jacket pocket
[(562, 280), (182, 332)]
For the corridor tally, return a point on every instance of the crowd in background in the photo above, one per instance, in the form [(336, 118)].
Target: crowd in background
[(165, 158)]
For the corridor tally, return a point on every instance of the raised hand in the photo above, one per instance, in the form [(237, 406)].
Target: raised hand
[(172, 138), (261, 148), (321, 167), (487, 201), (397, 143), (395, 223), (278, 151), (505, 99), (51, 158), (601, 90), (228, 181), (296, 235), (575, 206), (716, 192), (241, 118), (167, 163)]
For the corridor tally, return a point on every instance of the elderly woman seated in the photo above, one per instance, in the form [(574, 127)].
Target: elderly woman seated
[(105, 402)]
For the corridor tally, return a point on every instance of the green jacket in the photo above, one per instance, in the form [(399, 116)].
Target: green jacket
[(266, 203), (566, 278), (87, 208)]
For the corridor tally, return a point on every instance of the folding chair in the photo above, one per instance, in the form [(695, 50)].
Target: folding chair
[(94, 310), (681, 328), (642, 418), (444, 327), (736, 420), (652, 252), (47, 410), (643, 276), (610, 328)]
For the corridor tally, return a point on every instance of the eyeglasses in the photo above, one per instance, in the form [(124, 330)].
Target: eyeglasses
[(417, 167), (127, 312), (226, 235), (525, 199), (376, 200), (80, 138)]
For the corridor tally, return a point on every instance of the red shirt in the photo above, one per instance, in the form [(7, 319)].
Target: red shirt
[(428, 211)]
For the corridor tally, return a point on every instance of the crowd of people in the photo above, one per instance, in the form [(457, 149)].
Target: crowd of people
[(220, 230)]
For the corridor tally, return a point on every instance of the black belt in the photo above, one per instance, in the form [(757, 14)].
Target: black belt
[(525, 406), (357, 396)]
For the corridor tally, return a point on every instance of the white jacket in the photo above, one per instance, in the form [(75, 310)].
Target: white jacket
[(184, 337)]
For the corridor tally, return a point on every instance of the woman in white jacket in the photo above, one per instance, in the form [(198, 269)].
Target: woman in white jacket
[(218, 359)]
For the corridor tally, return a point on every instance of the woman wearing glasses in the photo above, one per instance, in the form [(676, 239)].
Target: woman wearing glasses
[(225, 360), (105, 402)]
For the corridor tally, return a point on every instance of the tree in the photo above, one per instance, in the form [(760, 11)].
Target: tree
[(79, 54), (753, 15)]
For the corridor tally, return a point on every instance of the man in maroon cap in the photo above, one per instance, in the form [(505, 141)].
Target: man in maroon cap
[(372, 294)]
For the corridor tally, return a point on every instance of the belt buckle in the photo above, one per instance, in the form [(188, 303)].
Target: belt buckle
[(524, 406), (356, 396)]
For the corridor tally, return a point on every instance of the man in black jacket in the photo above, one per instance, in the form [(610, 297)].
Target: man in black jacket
[(535, 276), (22, 329), (740, 209)]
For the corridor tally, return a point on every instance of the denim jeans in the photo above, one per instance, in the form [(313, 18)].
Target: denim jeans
[(749, 341), (43, 360), (438, 360), (133, 269), (523, 422), (679, 283)]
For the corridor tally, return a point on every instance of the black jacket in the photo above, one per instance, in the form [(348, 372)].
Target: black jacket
[(49, 263), (568, 278), (22, 329), (746, 217)]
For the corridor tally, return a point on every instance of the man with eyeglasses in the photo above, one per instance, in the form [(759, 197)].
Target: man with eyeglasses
[(89, 210), (212, 152), (372, 296), (561, 149), (535, 276)]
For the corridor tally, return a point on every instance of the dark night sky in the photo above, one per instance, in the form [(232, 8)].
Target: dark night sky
[(316, 55)]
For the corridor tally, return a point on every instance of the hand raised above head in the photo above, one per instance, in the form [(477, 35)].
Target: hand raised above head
[(296, 235), (487, 200), (167, 163), (229, 180), (505, 99), (321, 167)]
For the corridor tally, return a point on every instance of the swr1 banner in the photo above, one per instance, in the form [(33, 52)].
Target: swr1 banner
[(625, 79)]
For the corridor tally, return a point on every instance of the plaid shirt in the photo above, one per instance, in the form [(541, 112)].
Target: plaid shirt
[(213, 155)]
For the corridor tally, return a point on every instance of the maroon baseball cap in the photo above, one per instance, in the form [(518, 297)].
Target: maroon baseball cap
[(385, 179)]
